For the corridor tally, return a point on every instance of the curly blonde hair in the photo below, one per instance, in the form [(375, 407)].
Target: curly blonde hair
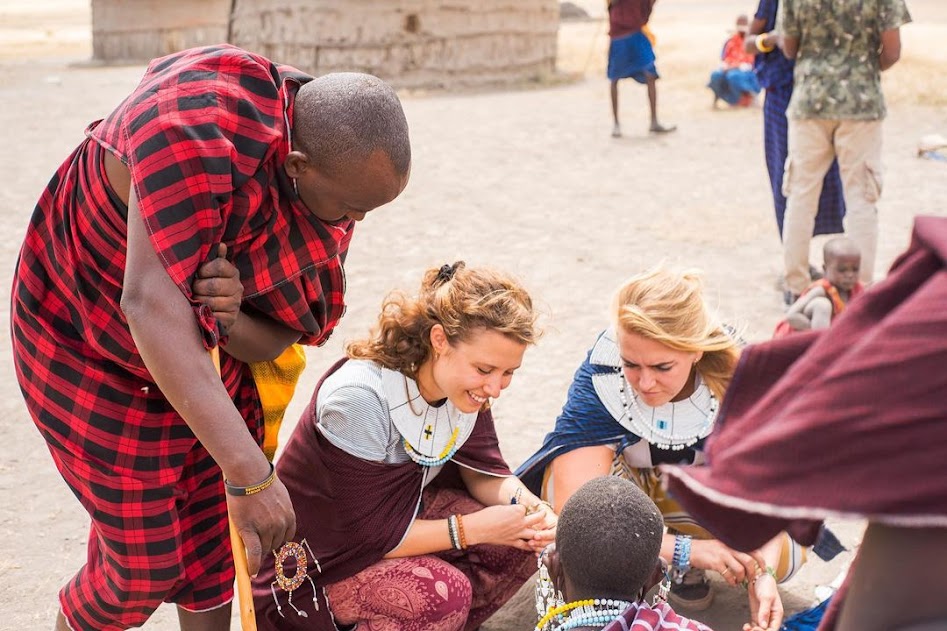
[(462, 300), (668, 307)]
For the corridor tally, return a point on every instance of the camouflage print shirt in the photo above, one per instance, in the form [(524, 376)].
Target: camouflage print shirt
[(837, 73)]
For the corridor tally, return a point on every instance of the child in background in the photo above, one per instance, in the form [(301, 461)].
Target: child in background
[(828, 297), (735, 81)]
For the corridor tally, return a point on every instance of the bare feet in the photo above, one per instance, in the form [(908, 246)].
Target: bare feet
[(657, 128)]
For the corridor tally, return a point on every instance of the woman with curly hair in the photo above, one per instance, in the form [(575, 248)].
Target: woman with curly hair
[(407, 515)]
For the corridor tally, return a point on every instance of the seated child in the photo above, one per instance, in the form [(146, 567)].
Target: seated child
[(826, 298), (735, 81), (604, 561)]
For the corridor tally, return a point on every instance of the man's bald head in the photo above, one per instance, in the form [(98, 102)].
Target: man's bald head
[(343, 117)]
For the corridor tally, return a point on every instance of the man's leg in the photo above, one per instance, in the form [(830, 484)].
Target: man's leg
[(214, 620), (616, 128), (656, 127), (810, 155), (858, 144)]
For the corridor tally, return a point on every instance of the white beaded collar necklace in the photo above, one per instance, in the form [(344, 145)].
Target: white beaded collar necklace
[(675, 425), (431, 435)]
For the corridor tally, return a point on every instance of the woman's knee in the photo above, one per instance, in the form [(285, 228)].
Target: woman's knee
[(453, 592)]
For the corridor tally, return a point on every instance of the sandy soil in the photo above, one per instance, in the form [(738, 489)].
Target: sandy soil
[(528, 180)]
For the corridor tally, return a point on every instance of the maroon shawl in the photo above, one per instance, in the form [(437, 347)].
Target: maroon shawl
[(352, 511), (849, 421)]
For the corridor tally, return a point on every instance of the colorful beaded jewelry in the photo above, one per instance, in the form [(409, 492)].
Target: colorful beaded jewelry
[(426, 461), (681, 561), (657, 432), (289, 584), (582, 613)]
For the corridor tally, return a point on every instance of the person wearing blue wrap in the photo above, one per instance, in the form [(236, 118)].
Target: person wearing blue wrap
[(631, 55), (648, 394)]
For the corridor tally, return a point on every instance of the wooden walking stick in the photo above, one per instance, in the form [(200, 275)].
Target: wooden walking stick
[(244, 594)]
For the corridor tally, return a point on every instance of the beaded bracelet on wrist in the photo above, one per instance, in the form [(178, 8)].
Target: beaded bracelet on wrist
[(452, 530), (681, 561), (243, 491)]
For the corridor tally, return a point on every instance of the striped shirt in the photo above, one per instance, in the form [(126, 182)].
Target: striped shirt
[(353, 414)]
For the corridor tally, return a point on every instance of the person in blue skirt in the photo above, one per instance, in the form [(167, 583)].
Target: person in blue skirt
[(631, 55)]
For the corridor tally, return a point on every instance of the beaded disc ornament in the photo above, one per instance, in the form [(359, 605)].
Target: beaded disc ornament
[(289, 584), (674, 426)]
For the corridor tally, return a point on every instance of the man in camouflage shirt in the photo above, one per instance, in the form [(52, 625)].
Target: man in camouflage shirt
[(840, 48)]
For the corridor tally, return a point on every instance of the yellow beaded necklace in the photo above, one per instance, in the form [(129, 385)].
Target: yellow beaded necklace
[(561, 609)]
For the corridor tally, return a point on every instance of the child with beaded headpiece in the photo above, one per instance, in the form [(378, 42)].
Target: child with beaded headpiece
[(605, 559), (407, 514)]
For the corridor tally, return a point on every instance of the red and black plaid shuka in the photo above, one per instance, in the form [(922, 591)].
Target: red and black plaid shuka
[(204, 136)]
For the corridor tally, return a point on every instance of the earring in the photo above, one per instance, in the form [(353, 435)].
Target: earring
[(545, 590), (664, 589), (296, 187)]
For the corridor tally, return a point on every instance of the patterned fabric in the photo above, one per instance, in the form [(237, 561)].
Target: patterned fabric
[(811, 416), (275, 383), (776, 147), (410, 594), (837, 72), (641, 617), (447, 591), (202, 136)]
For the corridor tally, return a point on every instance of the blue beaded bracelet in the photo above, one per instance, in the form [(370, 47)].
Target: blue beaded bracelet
[(681, 561)]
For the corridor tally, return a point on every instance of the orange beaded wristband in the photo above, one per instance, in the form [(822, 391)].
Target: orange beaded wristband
[(460, 532)]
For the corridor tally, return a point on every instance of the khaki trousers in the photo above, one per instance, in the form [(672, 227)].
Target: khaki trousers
[(813, 144)]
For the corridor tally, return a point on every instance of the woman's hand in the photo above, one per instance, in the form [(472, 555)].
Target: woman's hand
[(733, 566), (766, 608), (217, 285), (545, 529), (505, 525)]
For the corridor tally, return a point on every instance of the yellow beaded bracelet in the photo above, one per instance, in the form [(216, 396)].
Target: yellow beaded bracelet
[(242, 491)]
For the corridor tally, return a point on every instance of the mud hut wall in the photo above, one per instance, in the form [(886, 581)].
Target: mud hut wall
[(411, 43), (140, 30)]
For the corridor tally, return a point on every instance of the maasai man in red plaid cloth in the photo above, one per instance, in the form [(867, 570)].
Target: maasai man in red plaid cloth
[(217, 152)]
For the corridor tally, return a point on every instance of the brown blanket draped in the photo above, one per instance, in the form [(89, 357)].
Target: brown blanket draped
[(850, 421)]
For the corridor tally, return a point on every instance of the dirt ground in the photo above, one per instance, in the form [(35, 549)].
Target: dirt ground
[(527, 180)]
